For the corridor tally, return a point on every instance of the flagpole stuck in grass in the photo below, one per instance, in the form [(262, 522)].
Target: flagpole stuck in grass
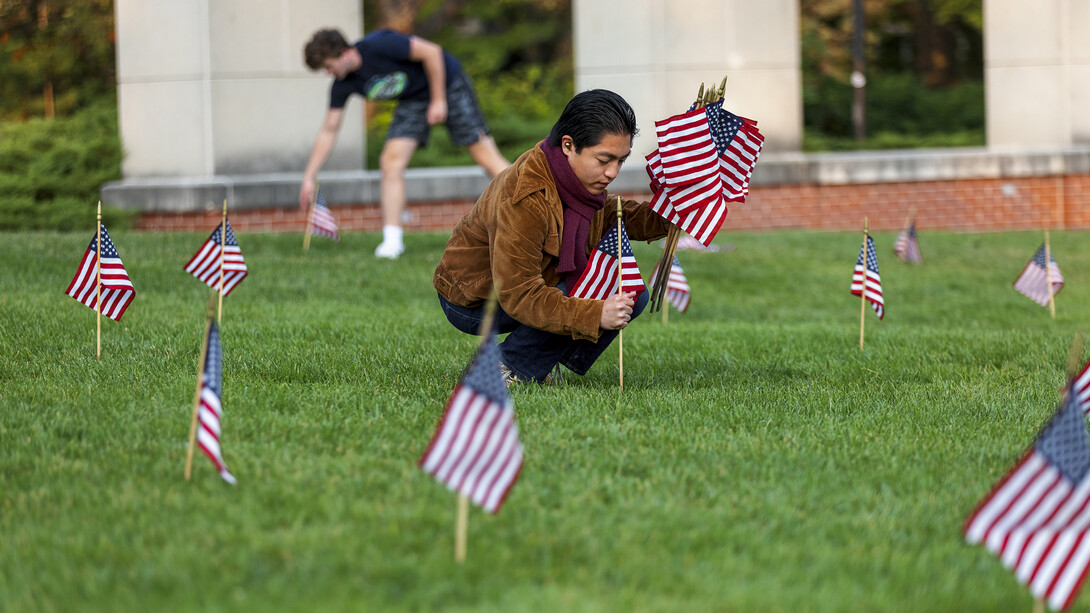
[(310, 218), (98, 285), (1048, 278), (620, 292), (200, 377), (461, 524), (863, 290), (223, 248)]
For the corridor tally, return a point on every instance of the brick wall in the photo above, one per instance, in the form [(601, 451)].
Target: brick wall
[(961, 204)]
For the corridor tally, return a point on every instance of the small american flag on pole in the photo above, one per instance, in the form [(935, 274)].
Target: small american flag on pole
[(117, 289), (678, 292), (866, 275), (1037, 518), (476, 449), (600, 277), (205, 264), (210, 407), (1033, 282), (322, 222), (907, 245)]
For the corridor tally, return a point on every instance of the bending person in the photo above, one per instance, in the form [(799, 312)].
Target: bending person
[(532, 231)]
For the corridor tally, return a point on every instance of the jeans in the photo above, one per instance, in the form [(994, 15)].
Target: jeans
[(531, 353)]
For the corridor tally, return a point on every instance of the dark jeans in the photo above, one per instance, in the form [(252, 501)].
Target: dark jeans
[(532, 353)]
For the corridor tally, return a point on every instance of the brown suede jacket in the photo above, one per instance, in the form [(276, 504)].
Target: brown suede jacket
[(513, 235)]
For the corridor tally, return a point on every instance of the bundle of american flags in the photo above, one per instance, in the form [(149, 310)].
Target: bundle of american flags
[(116, 288), (218, 260), (1037, 517), (865, 278), (476, 449), (611, 262), (322, 222), (1035, 278), (704, 159)]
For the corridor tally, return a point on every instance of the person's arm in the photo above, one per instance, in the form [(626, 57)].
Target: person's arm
[(323, 146), (431, 56)]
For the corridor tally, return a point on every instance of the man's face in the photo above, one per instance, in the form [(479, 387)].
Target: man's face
[(339, 67), (597, 166)]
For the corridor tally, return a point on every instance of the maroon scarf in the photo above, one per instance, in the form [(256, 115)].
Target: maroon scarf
[(579, 207)]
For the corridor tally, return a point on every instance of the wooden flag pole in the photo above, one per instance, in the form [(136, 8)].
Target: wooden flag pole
[(665, 313), (620, 292), (1038, 605), (863, 288), (200, 377), (223, 247), (1073, 357), (98, 286), (461, 524), (1048, 278), (310, 218)]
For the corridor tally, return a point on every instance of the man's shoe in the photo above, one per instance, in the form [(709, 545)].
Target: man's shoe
[(389, 251), (509, 376)]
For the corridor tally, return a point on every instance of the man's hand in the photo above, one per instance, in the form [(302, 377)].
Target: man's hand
[(306, 190), (437, 112), (617, 310)]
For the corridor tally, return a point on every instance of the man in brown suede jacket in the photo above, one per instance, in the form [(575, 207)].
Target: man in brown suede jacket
[(532, 231)]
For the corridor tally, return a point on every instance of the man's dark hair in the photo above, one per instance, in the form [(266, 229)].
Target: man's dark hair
[(325, 44), (590, 116)]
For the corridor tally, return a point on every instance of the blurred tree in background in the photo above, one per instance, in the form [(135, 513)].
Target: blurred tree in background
[(924, 67)]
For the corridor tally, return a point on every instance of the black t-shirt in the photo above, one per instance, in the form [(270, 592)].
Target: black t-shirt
[(387, 73)]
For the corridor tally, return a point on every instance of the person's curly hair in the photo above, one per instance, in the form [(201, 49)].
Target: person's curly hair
[(325, 44)]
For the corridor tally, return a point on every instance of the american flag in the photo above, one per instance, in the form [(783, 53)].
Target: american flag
[(322, 222), (1037, 518), (907, 246), (205, 264), (211, 409), (599, 278), (476, 449), (701, 223), (1033, 282), (677, 286), (739, 143), (689, 161), (117, 289), (866, 273)]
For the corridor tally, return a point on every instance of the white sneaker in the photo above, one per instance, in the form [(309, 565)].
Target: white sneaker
[(390, 251)]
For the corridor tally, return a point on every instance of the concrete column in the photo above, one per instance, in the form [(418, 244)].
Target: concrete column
[(656, 53), (208, 87), (1037, 72)]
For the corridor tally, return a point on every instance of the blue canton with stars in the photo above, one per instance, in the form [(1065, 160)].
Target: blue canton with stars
[(608, 244), (872, 257), (1039, 257), (484, 376), (108, 250), (231, 242), (1065, 442), (213, 362), (723, 125)]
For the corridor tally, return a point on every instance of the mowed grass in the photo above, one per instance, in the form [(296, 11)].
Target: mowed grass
[(756, 459)]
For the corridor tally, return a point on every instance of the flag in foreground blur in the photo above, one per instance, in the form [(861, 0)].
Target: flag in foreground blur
[(612, 258), (205, 264), (210, 409), (866, 275), (1036, 519), (322, 222), (476, 450), (1033, 282), (117, 289)]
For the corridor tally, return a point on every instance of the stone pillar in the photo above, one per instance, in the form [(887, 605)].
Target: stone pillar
[(210, 87), (656, 53), (1037, 72)]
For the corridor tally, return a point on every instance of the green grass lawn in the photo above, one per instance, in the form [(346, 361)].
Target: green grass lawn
[(756, 460)]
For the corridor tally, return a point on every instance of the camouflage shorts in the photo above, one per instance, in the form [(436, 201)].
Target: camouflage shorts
[(465, 123)]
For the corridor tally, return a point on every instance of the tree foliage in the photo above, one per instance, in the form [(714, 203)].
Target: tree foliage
[(65, 47)]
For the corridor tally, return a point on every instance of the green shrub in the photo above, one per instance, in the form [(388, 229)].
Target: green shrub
[(51, 170)]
